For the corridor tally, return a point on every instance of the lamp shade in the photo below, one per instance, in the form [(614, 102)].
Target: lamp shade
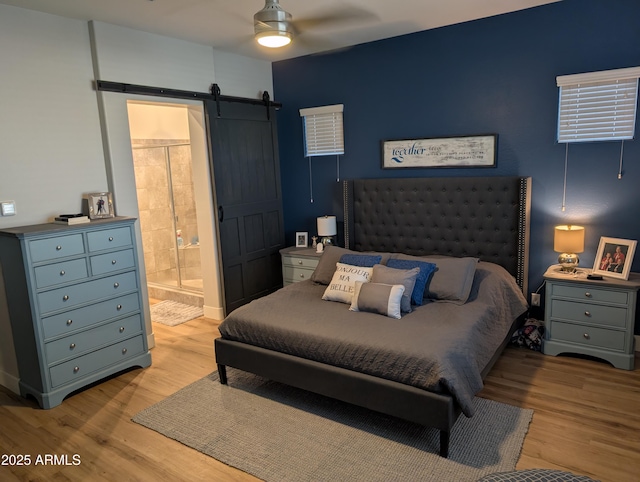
[(568, 239), (327, 226)]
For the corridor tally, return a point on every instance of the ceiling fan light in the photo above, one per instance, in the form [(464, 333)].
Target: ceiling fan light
[(273, 39)]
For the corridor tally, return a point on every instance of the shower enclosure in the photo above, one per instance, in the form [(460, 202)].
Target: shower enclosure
[(167, 208)]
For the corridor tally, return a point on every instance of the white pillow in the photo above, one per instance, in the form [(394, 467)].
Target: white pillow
[(380, 298), (343, 282)]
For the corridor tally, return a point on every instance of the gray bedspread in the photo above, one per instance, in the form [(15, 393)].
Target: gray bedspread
[(440, 347)]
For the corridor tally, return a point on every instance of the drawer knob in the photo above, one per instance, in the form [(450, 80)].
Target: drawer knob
[(62, 273), (586, 336), (65, 298), (58, 248), (69, 322), (587, 294), (121, 330), (301, 275), (113, 261), (299, 261), (110, 238), (119, 307), (587, 313), (124, 350), (76, 369), (116, 284), (72, 346)]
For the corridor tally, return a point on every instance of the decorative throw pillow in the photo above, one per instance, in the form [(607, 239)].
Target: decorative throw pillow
[(366, 260), (327, 263), (343, 282), (393, 276), (422, 280), (380, 298), (453, 279)]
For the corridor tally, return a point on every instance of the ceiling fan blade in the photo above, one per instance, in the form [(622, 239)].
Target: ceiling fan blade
[(339, 16)]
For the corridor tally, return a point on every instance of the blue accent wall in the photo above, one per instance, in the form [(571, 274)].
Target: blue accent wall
[(493, 75)]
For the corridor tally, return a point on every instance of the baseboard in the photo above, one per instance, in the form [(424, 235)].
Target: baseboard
[(9, 381), (213, 312)]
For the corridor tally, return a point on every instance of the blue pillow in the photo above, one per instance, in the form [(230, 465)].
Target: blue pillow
[(362, 260), (426, 270)]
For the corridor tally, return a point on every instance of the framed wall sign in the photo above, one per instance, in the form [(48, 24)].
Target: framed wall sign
[(614, 257), (468, 151), (100, 205)]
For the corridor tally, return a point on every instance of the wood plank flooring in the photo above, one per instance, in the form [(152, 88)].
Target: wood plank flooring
[(587, 418)]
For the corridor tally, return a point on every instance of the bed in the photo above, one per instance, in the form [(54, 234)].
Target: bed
[(424, 372)]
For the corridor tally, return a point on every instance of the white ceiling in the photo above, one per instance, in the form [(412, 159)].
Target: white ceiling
[(228, 24)]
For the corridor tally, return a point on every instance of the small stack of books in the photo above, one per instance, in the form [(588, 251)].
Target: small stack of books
[(70, 219)]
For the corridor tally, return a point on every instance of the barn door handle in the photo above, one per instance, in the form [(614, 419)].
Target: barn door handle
[(220, 214)]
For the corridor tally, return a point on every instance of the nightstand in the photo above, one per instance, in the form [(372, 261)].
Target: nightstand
[(298, 264), (591, 317)]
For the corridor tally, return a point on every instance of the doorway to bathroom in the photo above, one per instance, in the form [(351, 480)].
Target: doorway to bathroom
[(167, 203)]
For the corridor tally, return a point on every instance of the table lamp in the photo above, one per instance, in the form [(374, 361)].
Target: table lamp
[(327, 228), (568, 240)]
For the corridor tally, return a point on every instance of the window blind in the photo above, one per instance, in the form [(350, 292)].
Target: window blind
[(323, 130), (598, 106)]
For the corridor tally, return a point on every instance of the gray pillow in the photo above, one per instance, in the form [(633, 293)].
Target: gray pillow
[(394, 276), (453, 279), (330, 257), (378, 298)]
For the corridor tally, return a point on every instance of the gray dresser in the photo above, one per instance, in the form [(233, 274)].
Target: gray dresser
[(591, 317), (73, 294)]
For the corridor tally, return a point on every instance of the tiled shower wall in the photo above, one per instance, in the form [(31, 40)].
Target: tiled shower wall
[(154, 204)]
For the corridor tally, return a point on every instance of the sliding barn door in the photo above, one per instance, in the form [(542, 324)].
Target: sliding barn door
[(246, 178)]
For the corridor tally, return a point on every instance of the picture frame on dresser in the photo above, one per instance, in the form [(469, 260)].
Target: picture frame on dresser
[(100, 205), (614, 257)]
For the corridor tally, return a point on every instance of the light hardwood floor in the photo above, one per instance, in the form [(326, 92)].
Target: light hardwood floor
[(587, 417)]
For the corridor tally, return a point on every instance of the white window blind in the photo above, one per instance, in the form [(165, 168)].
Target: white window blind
[(323, 130), (598, 106)]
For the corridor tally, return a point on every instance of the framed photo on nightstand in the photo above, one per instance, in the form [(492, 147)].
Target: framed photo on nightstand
[(302, 239), (614, 257), (100, 205)]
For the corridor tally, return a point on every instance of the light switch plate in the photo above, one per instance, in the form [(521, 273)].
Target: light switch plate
[(8, 208)]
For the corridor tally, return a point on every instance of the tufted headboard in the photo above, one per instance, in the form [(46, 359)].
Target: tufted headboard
[(483, 217)]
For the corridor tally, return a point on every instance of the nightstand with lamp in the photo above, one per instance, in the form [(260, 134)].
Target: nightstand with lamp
[(585, 315)]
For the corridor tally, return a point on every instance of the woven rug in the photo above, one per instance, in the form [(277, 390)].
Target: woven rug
[(280, 433), (172, 313)]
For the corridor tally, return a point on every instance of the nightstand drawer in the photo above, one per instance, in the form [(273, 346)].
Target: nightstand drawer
[(109, 238), (588, 335), (84, 341), (589, 293), (98, 360), (80, 318), (53, 274), (106, 263), (307, 263), (293, 273), (589, 313), (54, 248)]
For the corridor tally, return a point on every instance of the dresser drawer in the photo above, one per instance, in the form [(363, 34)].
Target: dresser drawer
[(91, 362), (583, 293), (307, 263), (54, 248), (589, 313), (293, 273), (87, 340), (588, 335), (109, 238), (53, 274), (74, 295), (80, 318), (106, 263)]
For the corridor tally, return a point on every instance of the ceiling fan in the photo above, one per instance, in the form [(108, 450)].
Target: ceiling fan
[(274, 27)]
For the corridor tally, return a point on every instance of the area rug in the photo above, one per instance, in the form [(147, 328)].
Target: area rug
[(280, 433), (172, 313)]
